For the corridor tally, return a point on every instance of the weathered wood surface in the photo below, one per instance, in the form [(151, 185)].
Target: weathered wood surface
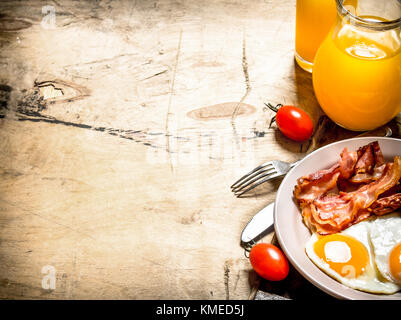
[(123, 126)]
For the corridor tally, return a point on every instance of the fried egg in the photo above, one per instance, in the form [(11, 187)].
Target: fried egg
[(349, 258), (385, 237)]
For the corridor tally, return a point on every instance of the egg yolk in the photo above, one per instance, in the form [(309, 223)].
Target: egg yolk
[(395, 262), (344, 254)]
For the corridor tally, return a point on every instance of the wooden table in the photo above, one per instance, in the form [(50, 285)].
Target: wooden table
[(123, 125)]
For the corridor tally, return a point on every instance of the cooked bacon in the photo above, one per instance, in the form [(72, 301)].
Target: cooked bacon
[(312, 224), (378, 171), (386, 205), (370, 164), (388, 201), (362, 215), (360, 178), (379, 158), (363, 165), (359, 185), (393, 190), (366, 160), (330, 213), (344, 185), (314, 185), (390, 178), (347, 163)]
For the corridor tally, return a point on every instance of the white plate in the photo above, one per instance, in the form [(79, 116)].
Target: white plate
[(292, 233)]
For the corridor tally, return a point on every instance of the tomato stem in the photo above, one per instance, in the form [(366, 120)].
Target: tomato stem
[(247, 248), (273, 108), (272, 121)]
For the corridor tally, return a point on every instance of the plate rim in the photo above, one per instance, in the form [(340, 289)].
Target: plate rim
[(293, 261)]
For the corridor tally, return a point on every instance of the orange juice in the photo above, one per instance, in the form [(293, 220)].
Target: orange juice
[(357, 76), (313, 21)]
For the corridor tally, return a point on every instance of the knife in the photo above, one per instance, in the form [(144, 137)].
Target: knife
[(260, 225)]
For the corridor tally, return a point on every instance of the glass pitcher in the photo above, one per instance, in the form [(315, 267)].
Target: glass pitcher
[(357, 69)]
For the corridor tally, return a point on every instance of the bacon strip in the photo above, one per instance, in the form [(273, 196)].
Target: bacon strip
[(379, 158), (366, 159), (314, 185), (386, 205), (347, 163), (327, 209), (335, 213), (370, 164)]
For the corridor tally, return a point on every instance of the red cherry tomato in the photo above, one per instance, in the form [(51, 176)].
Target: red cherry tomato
[(269, 262), (293, 122)]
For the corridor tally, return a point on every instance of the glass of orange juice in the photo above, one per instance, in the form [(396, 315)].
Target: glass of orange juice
[(314, 19), (357, 69)]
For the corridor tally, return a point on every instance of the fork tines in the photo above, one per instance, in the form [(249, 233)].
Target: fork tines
[(254, 178)]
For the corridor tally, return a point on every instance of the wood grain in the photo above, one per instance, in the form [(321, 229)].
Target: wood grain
[(122, 128)]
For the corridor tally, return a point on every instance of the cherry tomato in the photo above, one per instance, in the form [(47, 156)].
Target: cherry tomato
[(293, 122), (269, 262)]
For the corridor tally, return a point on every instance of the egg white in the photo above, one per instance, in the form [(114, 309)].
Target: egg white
[(370, 280), (385, 233)]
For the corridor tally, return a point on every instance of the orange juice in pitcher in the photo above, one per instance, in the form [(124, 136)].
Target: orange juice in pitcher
[(314, 19), (357, 69)]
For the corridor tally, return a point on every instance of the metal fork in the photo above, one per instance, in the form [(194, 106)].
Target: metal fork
[(276, 168), (265, 172)]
